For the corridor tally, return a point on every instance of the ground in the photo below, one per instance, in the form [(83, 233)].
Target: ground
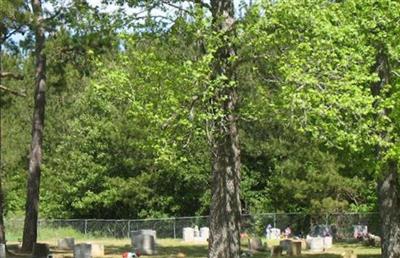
[(170, 248)]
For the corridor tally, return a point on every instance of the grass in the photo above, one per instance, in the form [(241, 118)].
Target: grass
[(170, 248)]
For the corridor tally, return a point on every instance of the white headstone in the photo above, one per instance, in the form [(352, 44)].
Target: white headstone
[(204, 233), (66, 243), (328, 242), (275, 233), (2, 251), (316, 244), (188, 234)]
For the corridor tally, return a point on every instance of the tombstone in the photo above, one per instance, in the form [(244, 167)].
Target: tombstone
[(204, 233), (275, 233), (285, 244), (255, 244), (83, 250), (66, 243), (188, 234), (97, 249), (295, 248), (142, 232), (276, 251), (145, 244), (316, 244), (2, 251), (360, 231), (40, 250), (328, 242)]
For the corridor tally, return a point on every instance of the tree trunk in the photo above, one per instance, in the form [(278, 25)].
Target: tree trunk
[(389, 208), (388, 184), (35, 158), (225, 204), (2, 227)]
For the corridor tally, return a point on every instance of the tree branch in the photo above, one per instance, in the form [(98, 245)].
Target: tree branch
[(14, 92), (11, 75)]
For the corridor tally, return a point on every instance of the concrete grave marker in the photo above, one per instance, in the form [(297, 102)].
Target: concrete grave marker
[(255, 244), (66, 243), (40, 250), (204, 233), (83, 250), (2, 251), (188, 234)]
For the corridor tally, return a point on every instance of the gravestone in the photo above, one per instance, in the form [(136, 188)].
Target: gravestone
[(204, 233), (328, 242), (276, 251), (83, 250), (316, 244), (145, 244), (2, 251), (255, 244), (97, 249), (295, 248), (66, 243), (40, 250), (188, 234), (275, 234), (360, 231), (285, 244), (142, 232)]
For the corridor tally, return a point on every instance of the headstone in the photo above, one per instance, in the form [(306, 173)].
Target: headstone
[(316, 244), (276, 251), (2, 251), (295, 248), (328, 242), (66, 243), (97, 249), (83, 250), (360, 231), (143, 232), (275, 234), (204, 233), (188, 234), (40, 250), (285, 244), (145, 244), (255, 244)]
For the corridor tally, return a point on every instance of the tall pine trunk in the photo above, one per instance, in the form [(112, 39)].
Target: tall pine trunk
[(225, 204), (388, 183), (35, 158), (2, 226)]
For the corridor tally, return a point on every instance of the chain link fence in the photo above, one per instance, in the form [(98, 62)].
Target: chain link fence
[(342, 225)]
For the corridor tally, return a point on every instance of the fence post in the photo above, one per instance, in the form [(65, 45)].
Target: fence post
[(85, 227), (174, 228), (129, 228), (274, 220)]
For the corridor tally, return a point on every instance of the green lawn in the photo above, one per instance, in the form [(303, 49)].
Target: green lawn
[(169, 248)]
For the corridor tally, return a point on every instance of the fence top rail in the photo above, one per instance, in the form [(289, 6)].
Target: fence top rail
[(201, 217)]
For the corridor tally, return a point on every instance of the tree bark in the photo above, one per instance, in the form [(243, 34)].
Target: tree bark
[(225, 204), (389, 207), (388, 184), (2, 226), (35, 158)]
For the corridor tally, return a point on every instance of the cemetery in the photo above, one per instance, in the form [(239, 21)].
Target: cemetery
[(319, 243)]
